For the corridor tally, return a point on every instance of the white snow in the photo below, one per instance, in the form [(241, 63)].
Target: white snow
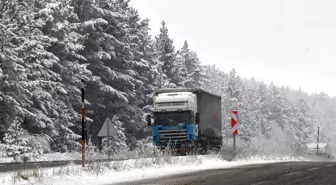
[(129, 170), (48, 157)]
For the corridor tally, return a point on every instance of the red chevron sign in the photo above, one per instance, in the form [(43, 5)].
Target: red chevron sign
[(234, 122)]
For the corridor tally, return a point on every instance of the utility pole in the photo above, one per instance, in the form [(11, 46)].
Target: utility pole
[(318, 137), (83, 125)]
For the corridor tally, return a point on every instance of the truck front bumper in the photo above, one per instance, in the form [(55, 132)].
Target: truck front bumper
[(175, 135)]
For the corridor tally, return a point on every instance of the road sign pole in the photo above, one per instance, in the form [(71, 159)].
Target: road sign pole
[(234, 143), (83, 125), (234, 127), (318, 138), (108, 141), (108, 130)]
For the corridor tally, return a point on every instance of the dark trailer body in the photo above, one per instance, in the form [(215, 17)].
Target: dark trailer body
[(209, 117)]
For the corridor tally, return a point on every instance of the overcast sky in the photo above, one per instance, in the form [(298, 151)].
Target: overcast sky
[(289, 42)]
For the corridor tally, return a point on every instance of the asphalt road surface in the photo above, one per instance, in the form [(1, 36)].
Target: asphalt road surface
[(287, 173)]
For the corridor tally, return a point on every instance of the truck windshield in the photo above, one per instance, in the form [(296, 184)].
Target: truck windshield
[(172, 118)]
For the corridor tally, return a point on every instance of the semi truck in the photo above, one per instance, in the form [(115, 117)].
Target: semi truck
[(186, 120)]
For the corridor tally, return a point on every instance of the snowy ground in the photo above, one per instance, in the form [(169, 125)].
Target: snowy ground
[(128, 170)]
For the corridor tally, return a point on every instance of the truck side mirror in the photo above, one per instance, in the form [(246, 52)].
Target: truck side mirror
[(149, 120), (197, 118)]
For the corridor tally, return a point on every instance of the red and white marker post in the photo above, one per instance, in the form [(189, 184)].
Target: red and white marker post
[(234, 127), (83, 124)]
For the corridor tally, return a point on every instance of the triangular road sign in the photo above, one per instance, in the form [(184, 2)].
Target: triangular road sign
[(107, 126)]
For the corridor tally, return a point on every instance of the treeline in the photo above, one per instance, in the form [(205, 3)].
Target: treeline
[(48, 46), (273, 119)]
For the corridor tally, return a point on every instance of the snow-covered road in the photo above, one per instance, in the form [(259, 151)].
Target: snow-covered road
[(129, 170)]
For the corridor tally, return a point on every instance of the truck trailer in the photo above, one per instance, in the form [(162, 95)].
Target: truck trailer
[(186, 120)]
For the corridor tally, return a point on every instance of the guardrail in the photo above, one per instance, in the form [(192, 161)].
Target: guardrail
[(7, 167)]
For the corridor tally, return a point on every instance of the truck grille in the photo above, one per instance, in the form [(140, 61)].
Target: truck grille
[(173, 135)]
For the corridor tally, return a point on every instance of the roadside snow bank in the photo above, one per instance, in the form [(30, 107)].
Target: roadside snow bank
[(128, 170)]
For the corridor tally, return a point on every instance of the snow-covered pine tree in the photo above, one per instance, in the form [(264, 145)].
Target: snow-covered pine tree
[(250, 124), (300, 121), (145, 71), (62, 25), (114, 50), (29, 82), (8, 107), (195, 76), (182, 68), (284, 114), (217, 80), (240, 100), (14, 98), (141, 70), (196, 72), (262, 110), (167, 58), (152, 75), (277, 106), (16, 140)]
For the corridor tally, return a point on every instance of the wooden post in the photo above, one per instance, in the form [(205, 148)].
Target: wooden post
[(318, 138), (83, 125), (108, 141)]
